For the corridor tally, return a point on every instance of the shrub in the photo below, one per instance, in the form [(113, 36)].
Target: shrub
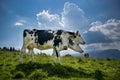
[(1, 64), (68, 55), (19, 74), (38, 75), (72, 62), (60, 71), (5, 75), (99, 75), (86, 55), (108, 59), (80, 60), (101, 63)]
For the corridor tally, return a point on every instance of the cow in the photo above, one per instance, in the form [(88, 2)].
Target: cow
[(46, 39)]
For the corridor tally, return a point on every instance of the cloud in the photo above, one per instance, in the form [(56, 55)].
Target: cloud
[(72, 17), (101, 46), (103, 36), (110, 28), (20, 23), (47, 20), (95, 37)]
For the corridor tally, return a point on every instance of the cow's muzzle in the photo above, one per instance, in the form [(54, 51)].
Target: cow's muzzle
[(83, 43), (82, 51), (65, 47)]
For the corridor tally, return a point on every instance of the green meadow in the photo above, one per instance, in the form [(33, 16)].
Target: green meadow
[(71, 68)]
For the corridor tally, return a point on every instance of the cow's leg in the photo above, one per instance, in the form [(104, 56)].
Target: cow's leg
[(57, 54), (40, 51), (53, 55), (59, 57), (21, 54), (31, 54)]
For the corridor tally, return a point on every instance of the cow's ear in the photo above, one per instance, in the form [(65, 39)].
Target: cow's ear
[(77, 32)]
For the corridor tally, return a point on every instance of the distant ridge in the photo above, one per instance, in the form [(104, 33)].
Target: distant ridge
[(111, 53)]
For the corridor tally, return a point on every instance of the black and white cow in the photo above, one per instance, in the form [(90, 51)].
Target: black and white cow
[(46, 39)]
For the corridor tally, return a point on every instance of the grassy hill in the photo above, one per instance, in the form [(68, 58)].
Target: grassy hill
[(72, 68)]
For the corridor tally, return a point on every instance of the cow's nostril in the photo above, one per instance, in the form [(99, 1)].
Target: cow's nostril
[(65, 48), (82, 51), (83, 42)]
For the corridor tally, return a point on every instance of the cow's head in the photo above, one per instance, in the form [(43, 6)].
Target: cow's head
[(78, 39)]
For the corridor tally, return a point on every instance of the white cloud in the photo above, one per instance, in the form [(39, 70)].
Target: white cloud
[(20, 23), (47, 20), (72, 18), (101, 46), (111, 28)]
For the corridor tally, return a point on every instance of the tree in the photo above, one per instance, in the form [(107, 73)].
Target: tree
[(5, 49), (12, 49), (86, 55)]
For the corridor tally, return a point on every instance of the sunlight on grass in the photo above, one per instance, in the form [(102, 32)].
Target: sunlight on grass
[(72, 68)]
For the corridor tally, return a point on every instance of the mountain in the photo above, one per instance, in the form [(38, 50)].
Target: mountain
[(111, 53)]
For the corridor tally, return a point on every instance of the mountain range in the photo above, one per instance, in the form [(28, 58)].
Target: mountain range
[(110, 53)]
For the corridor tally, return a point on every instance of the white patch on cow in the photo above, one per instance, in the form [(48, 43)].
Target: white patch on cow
[(46, 45), (29, 41)]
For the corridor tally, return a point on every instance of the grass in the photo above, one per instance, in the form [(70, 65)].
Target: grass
[(72, 68)]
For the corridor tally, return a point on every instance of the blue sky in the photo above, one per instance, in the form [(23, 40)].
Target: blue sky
[(97, 20)]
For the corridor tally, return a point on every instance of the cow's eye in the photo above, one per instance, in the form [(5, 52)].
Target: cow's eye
[(58, 37)]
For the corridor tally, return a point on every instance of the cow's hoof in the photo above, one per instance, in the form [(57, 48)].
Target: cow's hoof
[(21, 63), (59, 63)]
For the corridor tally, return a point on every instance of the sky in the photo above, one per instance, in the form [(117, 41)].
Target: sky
[(97, 20)]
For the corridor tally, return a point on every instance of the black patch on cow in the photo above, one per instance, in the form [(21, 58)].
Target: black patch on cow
[(72, 34), (57, 40), (30, 32), (71, 42), (59, 32), (24, 33), (43, 36), (34, 29), (35, 34)]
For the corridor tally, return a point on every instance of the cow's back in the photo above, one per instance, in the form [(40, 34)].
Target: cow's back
[(44, 36)]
